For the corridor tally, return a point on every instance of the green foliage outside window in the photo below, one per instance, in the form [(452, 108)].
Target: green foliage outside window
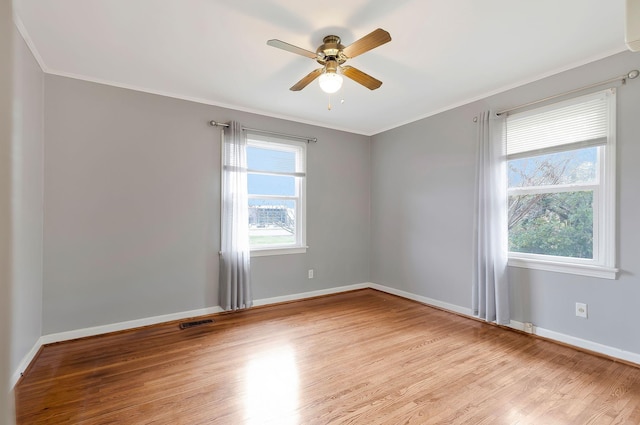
[(552, 224), (553, 221)]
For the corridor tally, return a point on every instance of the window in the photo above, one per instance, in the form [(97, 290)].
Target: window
[(276, 170), (561, 186)]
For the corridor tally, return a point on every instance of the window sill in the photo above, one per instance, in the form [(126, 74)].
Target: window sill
[(278, 251), (571, 268)]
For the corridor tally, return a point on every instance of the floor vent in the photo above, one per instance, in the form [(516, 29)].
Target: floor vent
[(186, 325)]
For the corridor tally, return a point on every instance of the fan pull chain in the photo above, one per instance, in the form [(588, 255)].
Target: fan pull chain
[(329, 106)]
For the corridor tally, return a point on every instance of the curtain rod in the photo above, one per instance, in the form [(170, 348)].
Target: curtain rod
[(629, 75), (272, 133)]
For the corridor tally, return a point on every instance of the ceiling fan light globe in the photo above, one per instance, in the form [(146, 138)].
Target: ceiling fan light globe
[(330, 82)]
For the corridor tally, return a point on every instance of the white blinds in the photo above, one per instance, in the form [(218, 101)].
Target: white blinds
[(582, 120), (274, 156)]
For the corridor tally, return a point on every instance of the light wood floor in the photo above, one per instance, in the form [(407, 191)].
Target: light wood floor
[(362, 357)]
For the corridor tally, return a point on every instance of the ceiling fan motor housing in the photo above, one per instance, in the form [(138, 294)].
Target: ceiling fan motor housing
[(331, 50)]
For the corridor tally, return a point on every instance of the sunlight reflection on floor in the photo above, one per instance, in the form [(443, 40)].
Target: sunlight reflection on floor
[(272, 387)]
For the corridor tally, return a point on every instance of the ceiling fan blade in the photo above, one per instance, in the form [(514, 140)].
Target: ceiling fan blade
[(291, 48), (366, 43), (360, 77), (306, 80)]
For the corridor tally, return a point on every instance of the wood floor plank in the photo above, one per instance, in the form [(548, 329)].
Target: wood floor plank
[(362, 357)]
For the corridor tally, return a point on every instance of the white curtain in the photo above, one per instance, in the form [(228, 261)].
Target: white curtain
[(490, 285), (235, 277)]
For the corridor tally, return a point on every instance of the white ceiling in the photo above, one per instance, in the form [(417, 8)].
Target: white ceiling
[(443, 53)]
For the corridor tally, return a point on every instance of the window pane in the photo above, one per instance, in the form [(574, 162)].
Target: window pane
[(271, 222), (576, 166), (552, 224), (260, 184), (271, 159)]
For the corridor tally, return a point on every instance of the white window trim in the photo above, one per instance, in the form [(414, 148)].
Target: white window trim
[(604, 224), (522, 261), (264, 252), (300, 246)]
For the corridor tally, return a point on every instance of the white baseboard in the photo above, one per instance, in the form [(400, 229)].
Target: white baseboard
[(121, 326), (25, 362), (98, 330), (582, 343), (429, 301), (518, 326), (542, 332), (311, 294), (131, 324)]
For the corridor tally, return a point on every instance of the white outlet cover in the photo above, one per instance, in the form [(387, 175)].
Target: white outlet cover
[(581, 310)]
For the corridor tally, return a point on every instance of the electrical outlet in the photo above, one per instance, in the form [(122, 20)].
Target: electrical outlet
[(310, 273), (581, 310)]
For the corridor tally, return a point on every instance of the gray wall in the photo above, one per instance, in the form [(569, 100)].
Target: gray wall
[(422, 215), (421, 206), (132, 210), (27, 201), (6, 136)]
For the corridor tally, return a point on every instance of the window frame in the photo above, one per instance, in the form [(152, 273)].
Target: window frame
[(300, 149), (604, 202)]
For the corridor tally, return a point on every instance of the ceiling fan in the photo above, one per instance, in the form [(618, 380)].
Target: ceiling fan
[(332, 55)]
